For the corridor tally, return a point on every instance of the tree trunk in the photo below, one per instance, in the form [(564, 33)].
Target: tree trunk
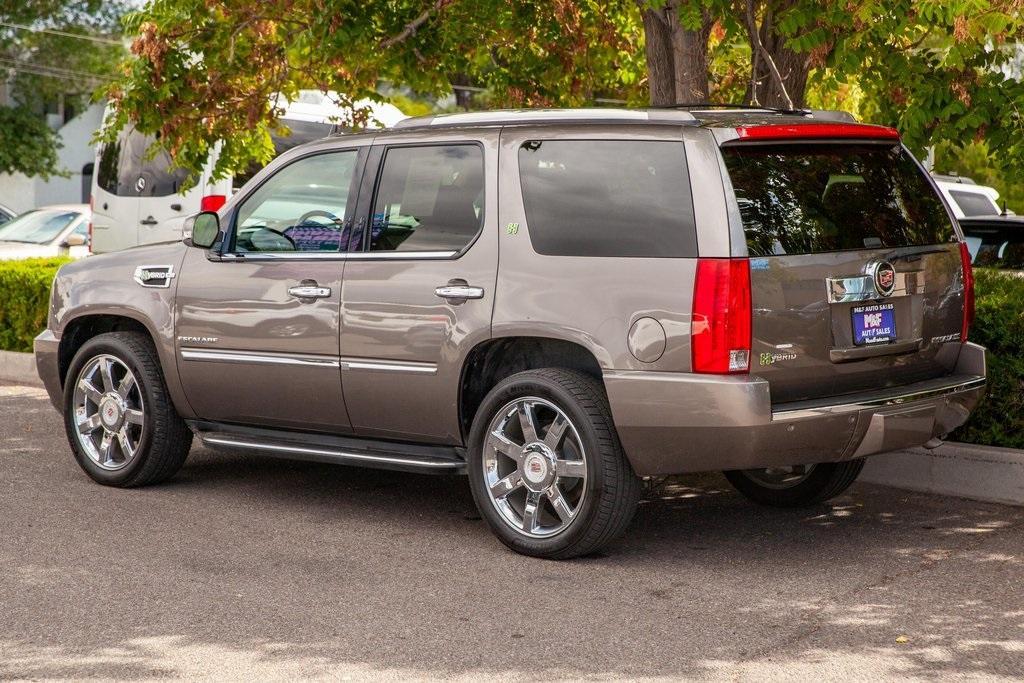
[(690, 50), (794, 67), (660, 60), (677, 58)]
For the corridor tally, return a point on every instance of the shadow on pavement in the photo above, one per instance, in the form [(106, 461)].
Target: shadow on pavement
[(246, 566)]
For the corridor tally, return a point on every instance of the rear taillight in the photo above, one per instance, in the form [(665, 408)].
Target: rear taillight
[(212, 202), (968, 271), (721, 322)]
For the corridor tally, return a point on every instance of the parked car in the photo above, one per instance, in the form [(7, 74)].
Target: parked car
[(562, 305), (995, 242), (6, 214), (137, 196), (61, 230), (967, 198)]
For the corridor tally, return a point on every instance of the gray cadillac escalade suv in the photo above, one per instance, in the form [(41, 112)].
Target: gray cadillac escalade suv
[(560, 304)]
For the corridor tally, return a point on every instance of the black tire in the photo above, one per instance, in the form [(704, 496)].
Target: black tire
[(165, 439), (825, 481), (612, 490)]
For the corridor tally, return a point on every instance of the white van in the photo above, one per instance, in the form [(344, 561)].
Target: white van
[(138, 200), (966, 197)]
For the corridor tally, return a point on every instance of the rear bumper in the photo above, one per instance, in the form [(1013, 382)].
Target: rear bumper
[(675, 423), (46, 347)]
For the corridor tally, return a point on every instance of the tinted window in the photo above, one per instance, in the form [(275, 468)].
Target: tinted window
[(996, 246), (607, 198), (801, 199), (428, 199), (132, 167), (300, 132), (302, 207), (974, 203)]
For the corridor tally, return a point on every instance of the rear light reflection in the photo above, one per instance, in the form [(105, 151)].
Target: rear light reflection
[(721, 324), (212, 202), (968, 272)]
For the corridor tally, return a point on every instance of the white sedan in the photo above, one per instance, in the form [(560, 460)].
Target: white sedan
[(49, 231)]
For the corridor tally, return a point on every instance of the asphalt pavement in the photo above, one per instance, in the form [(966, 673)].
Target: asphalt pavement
[(247, 567)]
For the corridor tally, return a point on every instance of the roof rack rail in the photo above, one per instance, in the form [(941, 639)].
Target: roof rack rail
[(728, 105)]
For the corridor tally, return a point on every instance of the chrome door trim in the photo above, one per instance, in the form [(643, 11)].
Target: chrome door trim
[(373, 365), (309, 292), (260, 358), (339, 256), (332, 453)]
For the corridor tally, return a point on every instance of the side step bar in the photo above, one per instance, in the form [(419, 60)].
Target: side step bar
[(340, 450)]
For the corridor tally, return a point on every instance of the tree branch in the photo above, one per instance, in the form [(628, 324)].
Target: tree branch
[(414, 25), (760, 52)]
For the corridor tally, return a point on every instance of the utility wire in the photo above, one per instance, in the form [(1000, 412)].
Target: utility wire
[(65, 34), (52, 71)]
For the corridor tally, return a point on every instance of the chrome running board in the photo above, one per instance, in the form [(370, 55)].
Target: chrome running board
[(332, 449)]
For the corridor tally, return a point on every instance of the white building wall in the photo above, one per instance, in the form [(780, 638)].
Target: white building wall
[(22, 193)]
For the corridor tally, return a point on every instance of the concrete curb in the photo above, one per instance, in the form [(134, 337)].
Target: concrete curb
[(20, 368), (985, 473)]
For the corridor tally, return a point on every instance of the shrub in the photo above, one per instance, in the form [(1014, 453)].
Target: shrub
[(25, 300), (999, 326)]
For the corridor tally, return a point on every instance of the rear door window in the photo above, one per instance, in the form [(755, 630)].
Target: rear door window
[(811, 198), (607, 198), (428, 198)]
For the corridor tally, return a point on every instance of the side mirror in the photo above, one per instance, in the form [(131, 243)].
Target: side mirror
[(74, 240), (202, 229)]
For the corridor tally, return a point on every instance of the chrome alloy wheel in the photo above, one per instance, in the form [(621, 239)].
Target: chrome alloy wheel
[(780, 477), (109, 412), (534, 467)]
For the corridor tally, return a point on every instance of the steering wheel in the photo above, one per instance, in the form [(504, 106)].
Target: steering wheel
[(318, 213)]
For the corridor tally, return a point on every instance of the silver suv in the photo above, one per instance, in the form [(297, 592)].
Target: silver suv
[(562, 305)]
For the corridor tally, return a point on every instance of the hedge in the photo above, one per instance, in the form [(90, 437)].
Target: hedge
[(24, 300), (999, 326)]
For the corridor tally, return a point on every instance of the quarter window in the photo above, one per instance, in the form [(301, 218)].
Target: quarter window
[(428, 199), (607, 198), (301, 208)]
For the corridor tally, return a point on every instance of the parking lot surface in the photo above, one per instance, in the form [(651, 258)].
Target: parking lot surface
[(246, 567)]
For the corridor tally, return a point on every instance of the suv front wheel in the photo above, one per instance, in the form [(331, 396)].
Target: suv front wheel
[(546, 468), (122, 426)]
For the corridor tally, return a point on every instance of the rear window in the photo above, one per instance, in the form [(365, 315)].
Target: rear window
[(974, 203), (996, 246), (607, 198), (810, 198), (128, 168)]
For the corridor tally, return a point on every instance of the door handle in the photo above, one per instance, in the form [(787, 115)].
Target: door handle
[(309, 292), (149, 220), (458, 290)]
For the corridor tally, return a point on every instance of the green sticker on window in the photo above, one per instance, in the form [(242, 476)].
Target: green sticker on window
[(512, 228)]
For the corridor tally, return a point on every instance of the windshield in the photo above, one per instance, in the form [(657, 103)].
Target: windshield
[(812, 198), (37, 227), (996, 246)]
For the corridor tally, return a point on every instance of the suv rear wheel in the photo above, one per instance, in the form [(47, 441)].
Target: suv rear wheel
[(546, 468), (798, 485), (122, 426)]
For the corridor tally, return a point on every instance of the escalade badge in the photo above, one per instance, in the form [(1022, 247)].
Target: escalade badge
[(884, 276)]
